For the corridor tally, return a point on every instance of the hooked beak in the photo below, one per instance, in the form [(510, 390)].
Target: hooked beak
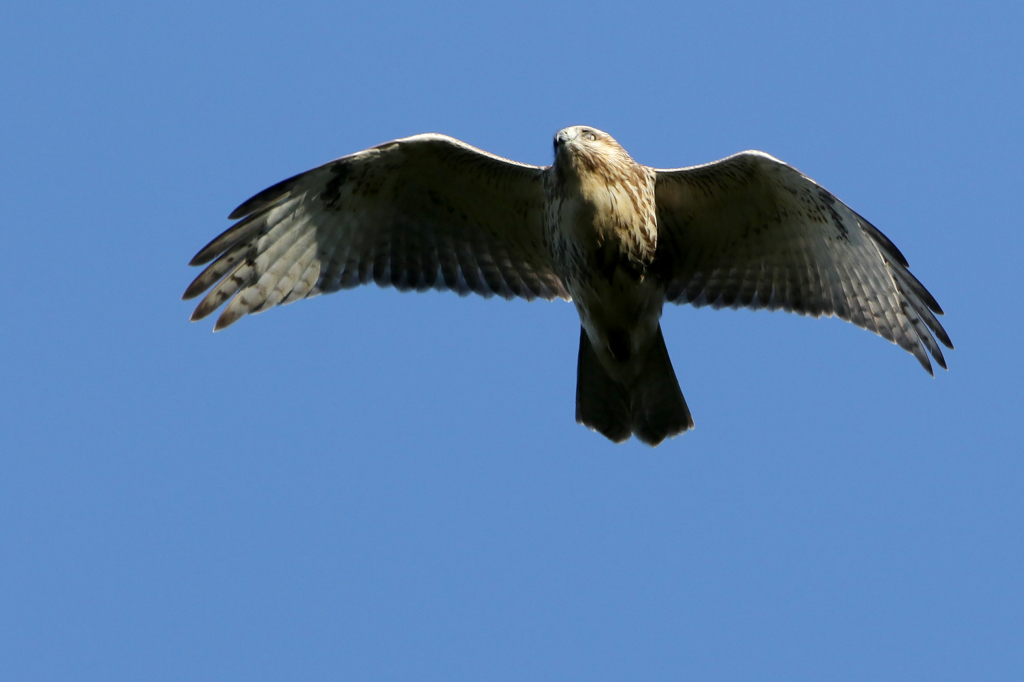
[(564, 136)]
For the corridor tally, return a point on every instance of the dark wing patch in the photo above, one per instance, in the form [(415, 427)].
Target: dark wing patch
[(750, 231), (426, 212)]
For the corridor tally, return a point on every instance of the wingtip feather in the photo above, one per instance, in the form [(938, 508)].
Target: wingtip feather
[(227, 318), (198, 286), (271, 195)]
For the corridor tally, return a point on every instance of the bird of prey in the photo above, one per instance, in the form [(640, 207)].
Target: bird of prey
[(615, 237)]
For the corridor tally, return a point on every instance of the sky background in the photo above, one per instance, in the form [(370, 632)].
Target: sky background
[(382, 486)]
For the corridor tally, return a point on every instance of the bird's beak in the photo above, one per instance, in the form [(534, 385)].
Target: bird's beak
[(564, 136)]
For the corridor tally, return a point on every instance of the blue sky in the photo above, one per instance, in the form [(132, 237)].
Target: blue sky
[(384, 486)]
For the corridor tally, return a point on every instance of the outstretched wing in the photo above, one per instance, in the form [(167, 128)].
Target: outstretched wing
[(424, 212), (751, 231)]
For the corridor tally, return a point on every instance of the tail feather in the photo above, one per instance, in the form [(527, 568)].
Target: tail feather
[(602, 403), (651, 406)]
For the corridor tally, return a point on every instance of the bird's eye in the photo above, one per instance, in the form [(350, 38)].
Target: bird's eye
[(590, 136)]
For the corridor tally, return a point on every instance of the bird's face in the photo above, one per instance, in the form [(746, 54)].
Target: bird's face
[(583, 149)]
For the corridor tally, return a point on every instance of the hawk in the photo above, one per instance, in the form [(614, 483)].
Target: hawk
[(615, 237)]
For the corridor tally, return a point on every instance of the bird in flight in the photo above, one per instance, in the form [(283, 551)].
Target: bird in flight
[(615, 237)]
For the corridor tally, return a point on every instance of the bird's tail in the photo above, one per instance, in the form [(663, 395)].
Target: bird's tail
[(651, 406)]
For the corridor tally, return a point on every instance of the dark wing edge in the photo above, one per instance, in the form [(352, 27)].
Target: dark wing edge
[(750, 231), (420, 213)]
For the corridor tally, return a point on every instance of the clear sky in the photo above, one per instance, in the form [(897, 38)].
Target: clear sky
[(382, 486)]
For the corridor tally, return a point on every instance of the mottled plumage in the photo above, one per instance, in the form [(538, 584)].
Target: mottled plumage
[(615, 237)]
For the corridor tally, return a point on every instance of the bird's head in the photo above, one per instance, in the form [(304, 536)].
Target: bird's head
[(585, 150)]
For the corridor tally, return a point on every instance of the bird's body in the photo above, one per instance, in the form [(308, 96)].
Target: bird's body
[(604, 229), (615, 237), (602, 220)]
